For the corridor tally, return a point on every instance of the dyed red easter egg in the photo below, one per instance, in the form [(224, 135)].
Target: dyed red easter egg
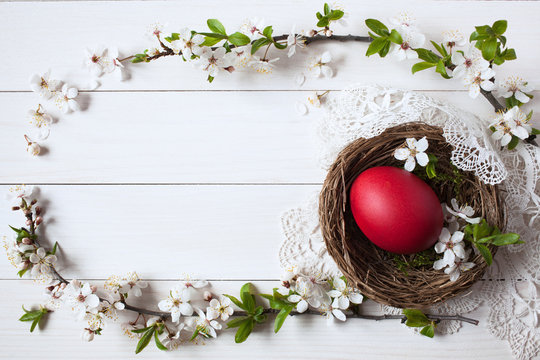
[(396, 210)]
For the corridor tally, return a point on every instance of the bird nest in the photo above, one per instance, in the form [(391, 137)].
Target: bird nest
[(373, 270)]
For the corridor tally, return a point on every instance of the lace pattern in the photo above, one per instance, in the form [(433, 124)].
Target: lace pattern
[(511, 287)]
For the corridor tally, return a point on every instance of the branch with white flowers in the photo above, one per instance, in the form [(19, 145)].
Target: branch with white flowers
[(174, 323)]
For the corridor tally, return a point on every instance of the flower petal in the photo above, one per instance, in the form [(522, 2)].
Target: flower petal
[(422, 158)]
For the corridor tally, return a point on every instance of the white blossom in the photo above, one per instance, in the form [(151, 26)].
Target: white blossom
[(42, 263), (204, 325), (319, 65), (213, 61), (511, 123), (173, 341), (412, 152), (17, 193), (187, 44), (464, 212), (330, 311), (343, 294), (295, 40), (40, 121), (471, 61), (411, 40), (177, 303), (479, 80), (132, 285), (81, 298), (253, 28), (66, 99), (452, 246), (97, 61), (33, 149), (314, 99), (155, 29), (459, 266), (44, 85), (239, 56), (87, 335), (220, 308), (453, 38), (289, 273), (263, 66), (516, 86), (405, 21), (307, 292)]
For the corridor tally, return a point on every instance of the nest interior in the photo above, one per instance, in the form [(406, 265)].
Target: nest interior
[(373, 270)]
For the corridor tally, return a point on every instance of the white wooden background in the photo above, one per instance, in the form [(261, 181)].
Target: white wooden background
[(166, 174)]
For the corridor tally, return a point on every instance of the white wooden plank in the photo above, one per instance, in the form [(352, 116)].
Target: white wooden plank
[(302, 337), (176, 137), (215, 232), (65, 28)]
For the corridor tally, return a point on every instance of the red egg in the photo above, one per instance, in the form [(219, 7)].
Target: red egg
[(396, 210)]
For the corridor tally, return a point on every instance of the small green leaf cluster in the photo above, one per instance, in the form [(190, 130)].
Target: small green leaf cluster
[(149, 332), (218, 33), (416, 318), (382, 38), (327, 16), (34, 316), (137, 58), (279, 302), (482, 235), (267, 39), (254, 314), (491, 41), (419, 260)]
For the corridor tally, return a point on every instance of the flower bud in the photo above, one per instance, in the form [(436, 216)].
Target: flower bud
[(27, 241), (207, 295), (33, 149), (328, 32), (39, 220), (38, 210), (312, 33), (87, 335), (93, 288), (286, 284), (229, 69), (50, 288), (15, 208), (26, 264), (33, 202), (28, 222)]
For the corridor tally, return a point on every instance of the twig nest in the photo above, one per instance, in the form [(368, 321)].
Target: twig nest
[(371, 269)]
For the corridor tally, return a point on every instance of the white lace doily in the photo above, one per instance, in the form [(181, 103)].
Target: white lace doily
[(511, 287)]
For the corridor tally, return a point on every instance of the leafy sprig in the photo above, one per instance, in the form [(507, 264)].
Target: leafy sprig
[(254, 314), (482, 235), (416, 318), (279, 302), (35, 316), (327, 16), (381, 43), (491, 41), (149, 332)]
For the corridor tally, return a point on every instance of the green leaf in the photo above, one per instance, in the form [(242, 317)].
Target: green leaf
[(384, 51), (440, 48), (260, 318), (535, 131), (486, 254), (428, 331), (376, 46), (326, 9), (214, 35), (427, 55), (210, 41), (31, 316), (510, 54), (140, 331), (395, 37), (441, 69), (22, 272), (475, 36), (257, 44), (281, 317), (159, 344), (244, 330), (280, 46), (34, 324), (247, 298), (53, 251), (323, 22), (377, 27), (335, 15), (268, 31), (237, 322), (145, 339), (415, 318), (513, 143), (239, 39), (210, 78), (15, 229), (489, 49), (236, 301), (194, 335), (216, 26), (502, 239), (499, 27), (421, 66)]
